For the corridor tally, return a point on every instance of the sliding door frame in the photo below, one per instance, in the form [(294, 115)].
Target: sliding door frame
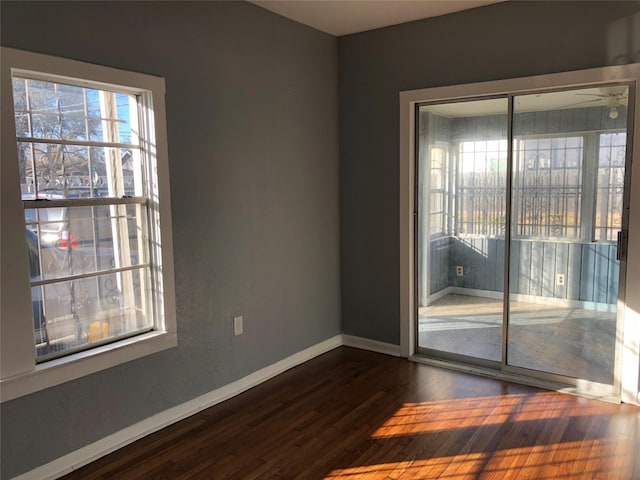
[(627, 377), (425, 284)]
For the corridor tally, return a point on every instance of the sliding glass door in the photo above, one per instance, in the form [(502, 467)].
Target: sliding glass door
[(569, 156), (525, 192), (462, 177)]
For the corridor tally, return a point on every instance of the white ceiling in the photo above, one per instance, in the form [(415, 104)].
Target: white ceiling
[(342, 17)]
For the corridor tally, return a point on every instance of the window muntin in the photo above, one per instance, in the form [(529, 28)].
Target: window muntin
[(82, 175)]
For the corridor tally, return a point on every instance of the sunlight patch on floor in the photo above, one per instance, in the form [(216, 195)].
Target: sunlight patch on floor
[(587, 459), (428, 417)]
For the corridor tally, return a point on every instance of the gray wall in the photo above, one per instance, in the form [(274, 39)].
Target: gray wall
[(505, 40), (591, 269), (252, 107)]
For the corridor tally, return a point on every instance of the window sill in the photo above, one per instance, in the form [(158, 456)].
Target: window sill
[(84, 363)]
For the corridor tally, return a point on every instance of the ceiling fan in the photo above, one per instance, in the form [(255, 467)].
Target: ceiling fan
[(614, 97)]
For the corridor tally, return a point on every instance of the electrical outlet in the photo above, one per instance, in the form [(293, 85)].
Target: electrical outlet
[(460, 271), (238, 326), (560, 279)]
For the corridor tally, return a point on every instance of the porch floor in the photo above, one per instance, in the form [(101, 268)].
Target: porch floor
[(567, 341)]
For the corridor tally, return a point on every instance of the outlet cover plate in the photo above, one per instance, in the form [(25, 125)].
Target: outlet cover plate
[(238, 326)]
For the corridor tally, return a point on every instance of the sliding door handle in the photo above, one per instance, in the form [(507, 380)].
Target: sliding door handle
[(621, 253)]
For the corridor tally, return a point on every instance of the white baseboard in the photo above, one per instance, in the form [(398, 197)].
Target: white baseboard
[(474, 292), (439, 294), (85, 455), (371, 345), (518, 297)]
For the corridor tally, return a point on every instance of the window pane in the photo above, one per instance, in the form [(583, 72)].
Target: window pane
[(79, 240), (548, 186), (74, 314), (56, 111), (72, 112), (481, 188), (41, 109), (610, 187), (20, 108), (71, 171)]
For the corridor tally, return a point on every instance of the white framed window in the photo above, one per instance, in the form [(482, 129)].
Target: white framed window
[(87, 263), (439, 178), (554, 175)]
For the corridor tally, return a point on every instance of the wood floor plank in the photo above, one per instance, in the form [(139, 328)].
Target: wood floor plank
[(356, 415)]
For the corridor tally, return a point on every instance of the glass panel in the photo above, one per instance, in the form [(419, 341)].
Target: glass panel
[(56, 111), (481, 188), (20, 107), (611, 161), (69, 241), (548, 187), (462, 167), (70, 315), (53, 172), (568, 179), (39, 324)]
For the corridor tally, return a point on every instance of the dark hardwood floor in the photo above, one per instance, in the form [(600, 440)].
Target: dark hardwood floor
[(351, 414)]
